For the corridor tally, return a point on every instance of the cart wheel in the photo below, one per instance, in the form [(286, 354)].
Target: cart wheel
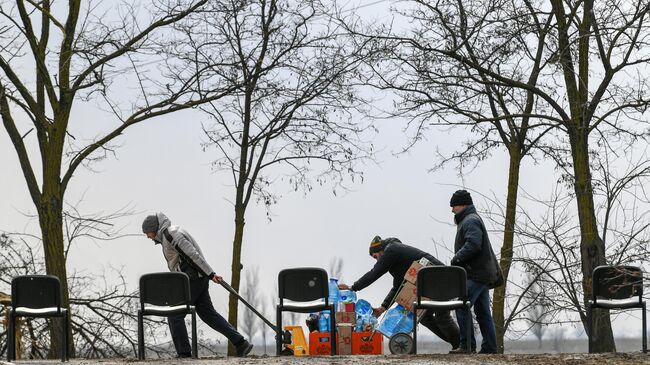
[(400, 344), (286, 352)]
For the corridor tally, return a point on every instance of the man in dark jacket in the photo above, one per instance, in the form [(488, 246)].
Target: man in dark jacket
[(183, 254), (394, 257), (474, 253)]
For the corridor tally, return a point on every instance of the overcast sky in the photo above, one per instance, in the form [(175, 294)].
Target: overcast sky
[(161, 166)]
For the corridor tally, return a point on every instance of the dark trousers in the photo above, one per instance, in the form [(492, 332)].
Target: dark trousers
[(443, 325), (200, 296), (479, 296)]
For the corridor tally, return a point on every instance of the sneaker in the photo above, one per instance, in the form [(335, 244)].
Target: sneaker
[(244, 348), (462, 350)]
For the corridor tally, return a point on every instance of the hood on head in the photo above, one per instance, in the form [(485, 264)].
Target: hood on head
[(164, 223)]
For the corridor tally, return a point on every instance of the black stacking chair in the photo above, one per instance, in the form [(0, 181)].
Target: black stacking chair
[(616, 287), (307, 289), (164, 294), (36, 296), (441, 288)]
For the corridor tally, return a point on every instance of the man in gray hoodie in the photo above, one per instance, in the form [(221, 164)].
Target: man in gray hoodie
[(183, 254)]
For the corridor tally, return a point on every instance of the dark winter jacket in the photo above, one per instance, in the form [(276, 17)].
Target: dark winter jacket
[(472, 247), (396, 259)]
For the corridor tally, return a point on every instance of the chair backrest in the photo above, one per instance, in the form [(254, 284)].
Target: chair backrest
[(164, 289), (303, 284), (442, 283), (36, 291), (617, 282)]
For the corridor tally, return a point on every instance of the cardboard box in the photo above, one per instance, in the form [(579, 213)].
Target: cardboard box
[(407, 295), (364, 344), (344, 339), (319, 344), (345, 317), (412, 273)]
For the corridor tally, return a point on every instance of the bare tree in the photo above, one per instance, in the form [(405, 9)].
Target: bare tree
[(53, 59), (104, 308), (590, 51), (558, 340), (249, 320), (537, 309), (264, 330), (440, 92), (549, 244), (290, 121)]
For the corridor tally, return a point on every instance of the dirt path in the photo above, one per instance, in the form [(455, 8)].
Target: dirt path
[(552, 359)]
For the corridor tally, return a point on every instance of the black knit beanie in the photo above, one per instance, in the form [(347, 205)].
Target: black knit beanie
[(461, 197), (150, 224), (376, 245)]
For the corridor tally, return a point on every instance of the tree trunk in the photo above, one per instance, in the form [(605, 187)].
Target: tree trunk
[(498, 302), (236, 268), (592, 247), (50, 215)]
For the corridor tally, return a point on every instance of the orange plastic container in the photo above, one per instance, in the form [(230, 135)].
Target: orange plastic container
[(374, 346), (319, 344)]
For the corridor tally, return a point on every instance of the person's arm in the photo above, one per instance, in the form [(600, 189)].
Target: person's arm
[(381, 267), (473, 234), (189, 253)]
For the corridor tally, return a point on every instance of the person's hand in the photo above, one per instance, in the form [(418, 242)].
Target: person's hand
[(344, 287), (217, 279), (378, 311)]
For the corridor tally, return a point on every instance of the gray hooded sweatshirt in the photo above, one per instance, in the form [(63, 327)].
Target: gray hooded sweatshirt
[(182, 242)]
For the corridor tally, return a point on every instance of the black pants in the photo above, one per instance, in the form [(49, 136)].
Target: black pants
[(200, 297), (443, 325)]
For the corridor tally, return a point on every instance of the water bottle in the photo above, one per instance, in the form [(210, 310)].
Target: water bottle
[(373, 322), (405, 324), (334, 295), (358, 327), (324, 322), (363, 308), (389, 325), (348, 296)]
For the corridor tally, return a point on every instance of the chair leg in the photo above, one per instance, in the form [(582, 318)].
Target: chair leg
[(140, 336), (195, 350), (415, 331), (333, 329), (469, 329), (645, 333), (278, 331), (64, 337), (589, 326), (11, 337)]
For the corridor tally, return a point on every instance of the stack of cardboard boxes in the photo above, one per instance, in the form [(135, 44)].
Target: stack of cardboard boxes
[(345, 322), (347, 341), (408, 294)]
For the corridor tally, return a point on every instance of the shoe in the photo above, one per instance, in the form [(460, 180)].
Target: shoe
[(484, 351), (462, 350), (244, 348), (184, 355)]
